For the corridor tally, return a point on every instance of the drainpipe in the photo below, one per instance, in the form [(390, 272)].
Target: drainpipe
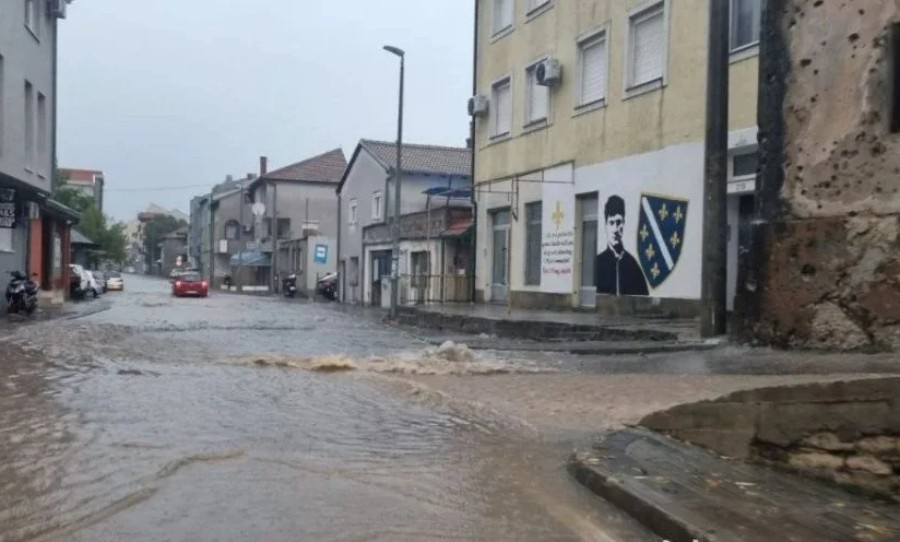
[(342, 266), (474, 264)]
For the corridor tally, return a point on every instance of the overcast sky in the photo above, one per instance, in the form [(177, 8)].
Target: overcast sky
[(184, 92)]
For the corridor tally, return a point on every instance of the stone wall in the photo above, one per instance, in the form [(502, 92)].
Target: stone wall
[(846, 432), (824, 269)]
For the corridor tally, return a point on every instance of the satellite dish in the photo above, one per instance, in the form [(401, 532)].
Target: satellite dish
[(258, 209)]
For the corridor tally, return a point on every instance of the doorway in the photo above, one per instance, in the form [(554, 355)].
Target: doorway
[(741, 211), (381, 271), (500, 222), (587, 211)]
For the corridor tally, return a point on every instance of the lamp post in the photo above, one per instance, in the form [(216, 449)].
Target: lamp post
[(395, 227)]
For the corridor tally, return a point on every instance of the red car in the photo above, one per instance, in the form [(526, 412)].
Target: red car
[(190, 284)]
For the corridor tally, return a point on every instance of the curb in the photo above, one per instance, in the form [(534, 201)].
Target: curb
[(662, 523), (546, 331)]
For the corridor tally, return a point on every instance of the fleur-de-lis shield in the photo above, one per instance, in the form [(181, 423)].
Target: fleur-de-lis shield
[(660, 236)]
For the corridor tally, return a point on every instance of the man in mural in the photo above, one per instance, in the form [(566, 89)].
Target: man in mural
[(616, 271)]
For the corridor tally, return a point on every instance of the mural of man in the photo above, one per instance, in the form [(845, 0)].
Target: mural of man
[(616, 271)]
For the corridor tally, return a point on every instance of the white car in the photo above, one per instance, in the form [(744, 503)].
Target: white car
[(114, 281)]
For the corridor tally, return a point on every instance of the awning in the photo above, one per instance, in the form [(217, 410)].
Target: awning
[(79, 239), (451, 193), (251, 258)]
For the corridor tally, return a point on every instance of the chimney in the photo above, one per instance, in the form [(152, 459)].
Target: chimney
[(263, 166), (228, 178), (250, 176)]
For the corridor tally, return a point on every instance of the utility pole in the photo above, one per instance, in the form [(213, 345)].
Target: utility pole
[(398, 172), (275, 235), (715, 197), (241, 244)]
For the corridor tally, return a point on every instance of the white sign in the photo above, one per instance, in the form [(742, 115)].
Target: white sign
[(558, 227), (252, 245), (742, 187), (258, 209)]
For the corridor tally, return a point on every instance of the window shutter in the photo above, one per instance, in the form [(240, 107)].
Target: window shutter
[(593, 70), (648, 46), (503, 14), (503, 108), (537, 97)]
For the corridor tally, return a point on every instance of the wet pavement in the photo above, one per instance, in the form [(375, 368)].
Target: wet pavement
[(236, 418)]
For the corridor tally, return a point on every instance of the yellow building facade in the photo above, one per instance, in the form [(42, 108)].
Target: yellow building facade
[(589, 127)]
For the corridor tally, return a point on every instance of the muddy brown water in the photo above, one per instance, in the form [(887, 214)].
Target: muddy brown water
[(238, 418)]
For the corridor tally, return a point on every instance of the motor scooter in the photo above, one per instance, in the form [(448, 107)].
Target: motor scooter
[(21, 294), (289, 285)]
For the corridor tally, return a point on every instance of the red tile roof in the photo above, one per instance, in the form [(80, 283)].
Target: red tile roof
[(80, 176), (324, 168)]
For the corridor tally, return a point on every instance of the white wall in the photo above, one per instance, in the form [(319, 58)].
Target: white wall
[(674, 174)]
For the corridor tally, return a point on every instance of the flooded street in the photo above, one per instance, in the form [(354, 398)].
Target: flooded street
[(234, 418)]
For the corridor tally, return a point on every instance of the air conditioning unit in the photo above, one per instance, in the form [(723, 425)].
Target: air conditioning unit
[(478, 105), (57, 8), (549, 72)]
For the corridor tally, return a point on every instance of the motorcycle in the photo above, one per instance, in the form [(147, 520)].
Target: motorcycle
[(327, 286), (21, 294), (289, 285)]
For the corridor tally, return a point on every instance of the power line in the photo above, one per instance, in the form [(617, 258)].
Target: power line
[(158, 189)]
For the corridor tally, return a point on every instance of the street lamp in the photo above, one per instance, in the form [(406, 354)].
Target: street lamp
[(395, 227)]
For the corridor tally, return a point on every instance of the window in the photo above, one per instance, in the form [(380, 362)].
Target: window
[(744, 165), (504, 12), (537, 97), (6, 240), (232, 229), (533, 240), (592, 65), (32, 16), (746, 17), (377, 205), (501, 99), (535, 5), (284, 228), (352, 218), (43, 154), (647, 46), (29, 125)]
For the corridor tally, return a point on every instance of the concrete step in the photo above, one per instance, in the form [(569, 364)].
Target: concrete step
[(684, 493)]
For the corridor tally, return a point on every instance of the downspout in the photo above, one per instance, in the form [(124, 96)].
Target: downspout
[(474, 264), (342, 266)]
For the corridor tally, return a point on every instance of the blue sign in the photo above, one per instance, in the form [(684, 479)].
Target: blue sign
[(660, 236), (321, 254)]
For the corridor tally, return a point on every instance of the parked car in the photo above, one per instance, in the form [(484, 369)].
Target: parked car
[(190, 283), (79, 283), (114, 281), (100, 277)]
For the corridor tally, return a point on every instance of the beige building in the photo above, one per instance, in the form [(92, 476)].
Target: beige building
[(589, 129)]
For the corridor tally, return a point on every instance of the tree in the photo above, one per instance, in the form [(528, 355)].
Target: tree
[(154, 230), (96, 226)]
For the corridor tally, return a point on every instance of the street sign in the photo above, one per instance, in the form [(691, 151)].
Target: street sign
[(321, 254)]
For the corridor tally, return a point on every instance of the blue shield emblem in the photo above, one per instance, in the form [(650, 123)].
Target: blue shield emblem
[(660, 236)]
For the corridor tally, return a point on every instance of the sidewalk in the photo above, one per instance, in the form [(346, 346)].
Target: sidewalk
[(544, 325), (684, 493)]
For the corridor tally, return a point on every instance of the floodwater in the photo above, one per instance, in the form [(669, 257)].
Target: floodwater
[(250, 418)]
